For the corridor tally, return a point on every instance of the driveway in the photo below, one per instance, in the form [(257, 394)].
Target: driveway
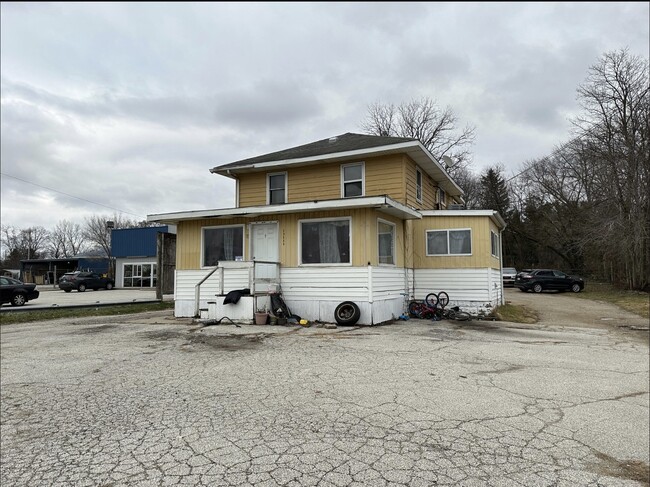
[(153, 400)]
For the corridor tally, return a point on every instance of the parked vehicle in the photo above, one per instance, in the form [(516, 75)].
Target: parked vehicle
[(85, 280), (539, 280), (508, 275), (16, 292)]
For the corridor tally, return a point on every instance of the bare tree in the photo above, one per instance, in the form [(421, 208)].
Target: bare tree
[(436, 128), (21, 244), (615, 128), (67, 239), (97, 232)]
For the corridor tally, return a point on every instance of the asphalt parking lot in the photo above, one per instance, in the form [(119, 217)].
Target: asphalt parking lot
[(151, 400)]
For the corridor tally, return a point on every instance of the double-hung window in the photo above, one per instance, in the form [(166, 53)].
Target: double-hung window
[(277, 192), (442, 197), (418, 185), (325, 241), (494, 244), (449, 242), (352, 176), (222, 243), (386, 242)]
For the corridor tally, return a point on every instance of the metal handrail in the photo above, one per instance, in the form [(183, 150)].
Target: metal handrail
[(197, 291)]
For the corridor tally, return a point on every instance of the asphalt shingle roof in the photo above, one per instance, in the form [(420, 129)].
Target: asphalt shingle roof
[(343, 143)]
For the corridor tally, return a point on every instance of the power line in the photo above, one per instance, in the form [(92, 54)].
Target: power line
[(70, 195)]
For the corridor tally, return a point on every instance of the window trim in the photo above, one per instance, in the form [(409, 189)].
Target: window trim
[(494, 245), (211, 227), (268, 186), (363, 179), (426, 242), (154, 275), (418, 188), (394, 246), (330, 219)]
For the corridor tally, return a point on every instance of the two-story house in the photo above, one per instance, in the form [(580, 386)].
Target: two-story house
[(358, 218)]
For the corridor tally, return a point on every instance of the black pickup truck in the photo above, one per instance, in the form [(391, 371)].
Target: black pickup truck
[(85, 280)]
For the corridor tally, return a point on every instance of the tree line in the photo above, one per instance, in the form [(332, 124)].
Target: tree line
[(585, 207), (66, 239)]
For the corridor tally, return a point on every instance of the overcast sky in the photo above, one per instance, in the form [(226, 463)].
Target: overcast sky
[(128, 105)]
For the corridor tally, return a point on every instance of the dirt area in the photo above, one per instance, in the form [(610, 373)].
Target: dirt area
[(566, 310)]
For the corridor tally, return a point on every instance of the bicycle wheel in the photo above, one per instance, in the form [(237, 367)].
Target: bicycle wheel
[(443, 299), (431, 300), (415, 309)]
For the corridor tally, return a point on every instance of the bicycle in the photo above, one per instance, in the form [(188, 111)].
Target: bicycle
[(433, 307)]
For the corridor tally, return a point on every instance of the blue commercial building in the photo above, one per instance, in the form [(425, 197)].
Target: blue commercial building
[(134, 250)]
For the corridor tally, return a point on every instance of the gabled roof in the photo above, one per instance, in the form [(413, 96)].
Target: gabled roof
[(345, 147), (340, 143)]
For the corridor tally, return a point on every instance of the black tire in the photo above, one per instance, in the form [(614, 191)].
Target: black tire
[(462, 316), (81, 288), (575, 287), (18, 299), (537, 287), (347, 313), (431, 300), (451, 314), (109, 286), (443, 299), (67, 290)]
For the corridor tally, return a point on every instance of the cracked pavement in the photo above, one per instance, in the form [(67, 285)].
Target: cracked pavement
[(150, 400)]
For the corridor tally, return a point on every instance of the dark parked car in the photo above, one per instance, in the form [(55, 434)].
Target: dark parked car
[(16, 292), (539, 280), (84, 280), (508, 275)]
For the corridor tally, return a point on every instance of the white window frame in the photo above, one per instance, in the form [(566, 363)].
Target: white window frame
[(363, 179), (418, 187), (442, 197), (393, 253), (243, 245), (268, 186), (426, 242), (154, 273), (494, 244), (331, 219)]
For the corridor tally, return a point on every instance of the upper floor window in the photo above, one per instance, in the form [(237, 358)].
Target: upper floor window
[(222, 243), (277, 192), (386, 242), (325, 241), (449, 242), (442, 197), (352, 183), (418, 185)]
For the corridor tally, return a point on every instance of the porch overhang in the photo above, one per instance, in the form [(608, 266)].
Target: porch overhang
[(384, 204), (492, 214)]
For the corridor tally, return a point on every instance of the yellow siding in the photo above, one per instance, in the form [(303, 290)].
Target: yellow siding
[(428, 187), (364, 236), (383, 176), (481, 245)]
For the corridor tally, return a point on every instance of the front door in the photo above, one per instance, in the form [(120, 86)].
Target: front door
[(265, 248)]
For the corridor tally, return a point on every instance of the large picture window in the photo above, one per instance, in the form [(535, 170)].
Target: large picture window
[(222, 243), (386, 242), (139, 275), (449, 242), (325, 242), (277, 188), (352, 180)]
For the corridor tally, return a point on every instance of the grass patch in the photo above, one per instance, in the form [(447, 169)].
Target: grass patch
[(7, 317), (515, 314), (635, 301)]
